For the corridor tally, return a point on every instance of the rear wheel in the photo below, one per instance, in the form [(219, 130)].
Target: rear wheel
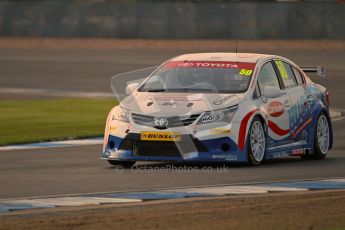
[(322, 137), (256, 142), (124, 164)]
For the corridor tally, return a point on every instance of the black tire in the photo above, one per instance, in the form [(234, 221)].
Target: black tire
[(319, 151), (252, 160), (124, 164)]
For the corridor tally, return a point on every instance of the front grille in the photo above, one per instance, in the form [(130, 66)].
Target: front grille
[(161, 148), (175, 121)]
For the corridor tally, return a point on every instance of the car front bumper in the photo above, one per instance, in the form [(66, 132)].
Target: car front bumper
[(188, 149)]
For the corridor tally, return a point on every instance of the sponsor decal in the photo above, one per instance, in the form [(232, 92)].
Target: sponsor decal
[(225, 100), (282, 70), (281, 154), (231, 158), (299, 114), (276, 108), (211, 117), (210, 64), (195, 97), (297, 152), (216, 131), (218, 156), (190, 155), (160, 136), (225, 157)]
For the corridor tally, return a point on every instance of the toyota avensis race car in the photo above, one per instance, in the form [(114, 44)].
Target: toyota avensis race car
[(221, 107)]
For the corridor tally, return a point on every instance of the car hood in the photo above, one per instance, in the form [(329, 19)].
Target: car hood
[(177, 104)]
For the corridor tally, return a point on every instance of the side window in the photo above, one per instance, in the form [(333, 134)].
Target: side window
[(267, 77), (298, 76), (286, 73)]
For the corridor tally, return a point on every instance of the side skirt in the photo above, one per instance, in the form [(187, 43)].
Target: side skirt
[(296, 151)]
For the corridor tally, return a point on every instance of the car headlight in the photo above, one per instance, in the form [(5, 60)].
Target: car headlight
[(224, 115), (120, 115)]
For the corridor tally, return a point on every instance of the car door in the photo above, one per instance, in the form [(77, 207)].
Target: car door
[(299, 111), (276, 109)]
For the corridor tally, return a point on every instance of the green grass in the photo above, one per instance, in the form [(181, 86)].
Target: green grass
[(52, 119)]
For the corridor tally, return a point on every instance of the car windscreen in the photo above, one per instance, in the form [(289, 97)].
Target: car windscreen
[(200, 77)]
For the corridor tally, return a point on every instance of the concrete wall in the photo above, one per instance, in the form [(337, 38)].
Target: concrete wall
[(172, 20)]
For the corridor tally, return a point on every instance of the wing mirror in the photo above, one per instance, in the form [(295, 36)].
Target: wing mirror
[(131, 87), (272, 92)]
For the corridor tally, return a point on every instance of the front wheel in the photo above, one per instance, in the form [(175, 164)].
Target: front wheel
[(124, 164), (256, 142)]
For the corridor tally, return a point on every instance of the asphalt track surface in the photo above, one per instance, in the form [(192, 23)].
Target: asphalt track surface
[(74, 170)]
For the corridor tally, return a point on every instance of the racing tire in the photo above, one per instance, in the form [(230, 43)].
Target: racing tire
[(321, 138), (256, 142), (123, 164)]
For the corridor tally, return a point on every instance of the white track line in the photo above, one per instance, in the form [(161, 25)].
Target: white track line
[(55, 92), (337, 114), (98, 199), (251, 183), (335, 180), (219, 191), (94, 200), (54, 144), (67, 201), (233, 190)]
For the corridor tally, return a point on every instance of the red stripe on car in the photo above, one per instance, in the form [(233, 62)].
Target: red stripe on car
[(243, 129), (276, 129), (308, 121)]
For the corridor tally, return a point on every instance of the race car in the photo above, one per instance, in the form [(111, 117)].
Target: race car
[(221, 107)]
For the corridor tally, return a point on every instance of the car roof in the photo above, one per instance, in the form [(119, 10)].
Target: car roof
[(231, 57)]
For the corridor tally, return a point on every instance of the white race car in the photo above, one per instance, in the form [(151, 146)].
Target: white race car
[(221, 107)]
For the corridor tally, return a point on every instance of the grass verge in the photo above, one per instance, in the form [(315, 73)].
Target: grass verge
[(31, 121)]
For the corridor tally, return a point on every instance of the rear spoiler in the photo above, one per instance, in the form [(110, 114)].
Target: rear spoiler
[(319, 70)]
